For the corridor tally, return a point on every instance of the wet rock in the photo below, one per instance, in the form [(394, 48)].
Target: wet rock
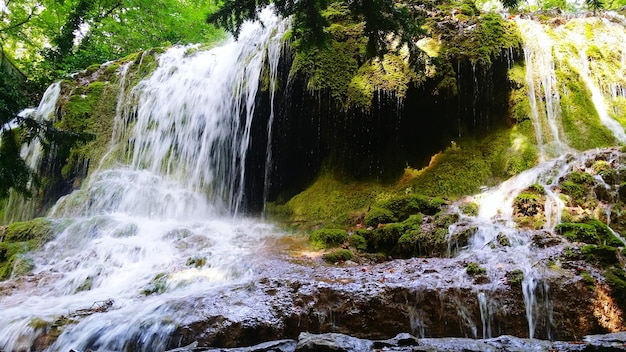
[(331, 343), (543, 239), (402, 339), (607, 342), (271, 346)]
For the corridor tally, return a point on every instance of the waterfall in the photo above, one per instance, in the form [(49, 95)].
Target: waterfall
[(159, 225), (592, 83), (543, 93), (18, 207)]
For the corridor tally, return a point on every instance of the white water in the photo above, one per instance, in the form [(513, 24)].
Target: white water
[(543, 92), (495, 219), (139, 236), (18, 207), (598, 100)]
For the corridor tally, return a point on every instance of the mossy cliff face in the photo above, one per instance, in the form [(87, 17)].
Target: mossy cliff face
[(465, 120), (364, 119), (85, 112)]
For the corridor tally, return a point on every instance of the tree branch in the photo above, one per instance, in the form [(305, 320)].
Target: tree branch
[(19, 24)]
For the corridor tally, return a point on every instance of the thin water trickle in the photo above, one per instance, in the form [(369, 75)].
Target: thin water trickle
[(486, 314), (543, 93), (598, 100), (495, 222), (142, 235)]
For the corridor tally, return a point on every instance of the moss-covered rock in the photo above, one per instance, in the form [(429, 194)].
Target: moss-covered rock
[(515, 278), (474, 269), (20, 238), (378, 215), (358, 242), (337, 256), (40, 230), (592, 231), (327, 238), (601, 254)]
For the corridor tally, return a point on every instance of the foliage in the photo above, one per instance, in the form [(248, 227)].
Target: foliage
[(594, 5), (327, 238), (50, 38), (510, 4), (486, 41), (381, 19), (14, 173)]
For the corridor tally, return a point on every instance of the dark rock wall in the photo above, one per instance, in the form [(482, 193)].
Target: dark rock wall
[(311, 130)]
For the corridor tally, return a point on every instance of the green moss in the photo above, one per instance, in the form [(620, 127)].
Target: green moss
[(327, 238), (474, 269), (610, 176), (157, 286), (39, 229), (591, 232), (470, 209), (601, 165), (358, 242), (622, 192), (453, 173), (340, 255), (616, 278), (391, 74), (378, 215), (111, 69), (488, 39), (416, 243), (602, 254), (9, 254), (196, 262), (93, 68), (580, 119), (333, 67), (330, 200), (402, 206), (21, 238), (385, 238), (589, 280), (515, 278)]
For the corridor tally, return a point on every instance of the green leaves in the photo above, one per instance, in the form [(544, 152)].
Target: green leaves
[(384, 20), (594, 5)]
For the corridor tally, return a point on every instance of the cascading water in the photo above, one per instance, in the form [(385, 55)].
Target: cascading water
[(543, 93), (140, 236), (21, 208)]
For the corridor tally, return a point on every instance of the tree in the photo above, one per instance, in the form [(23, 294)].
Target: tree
[(510, 4), (382, 19), (594, 5), (50, 38)]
